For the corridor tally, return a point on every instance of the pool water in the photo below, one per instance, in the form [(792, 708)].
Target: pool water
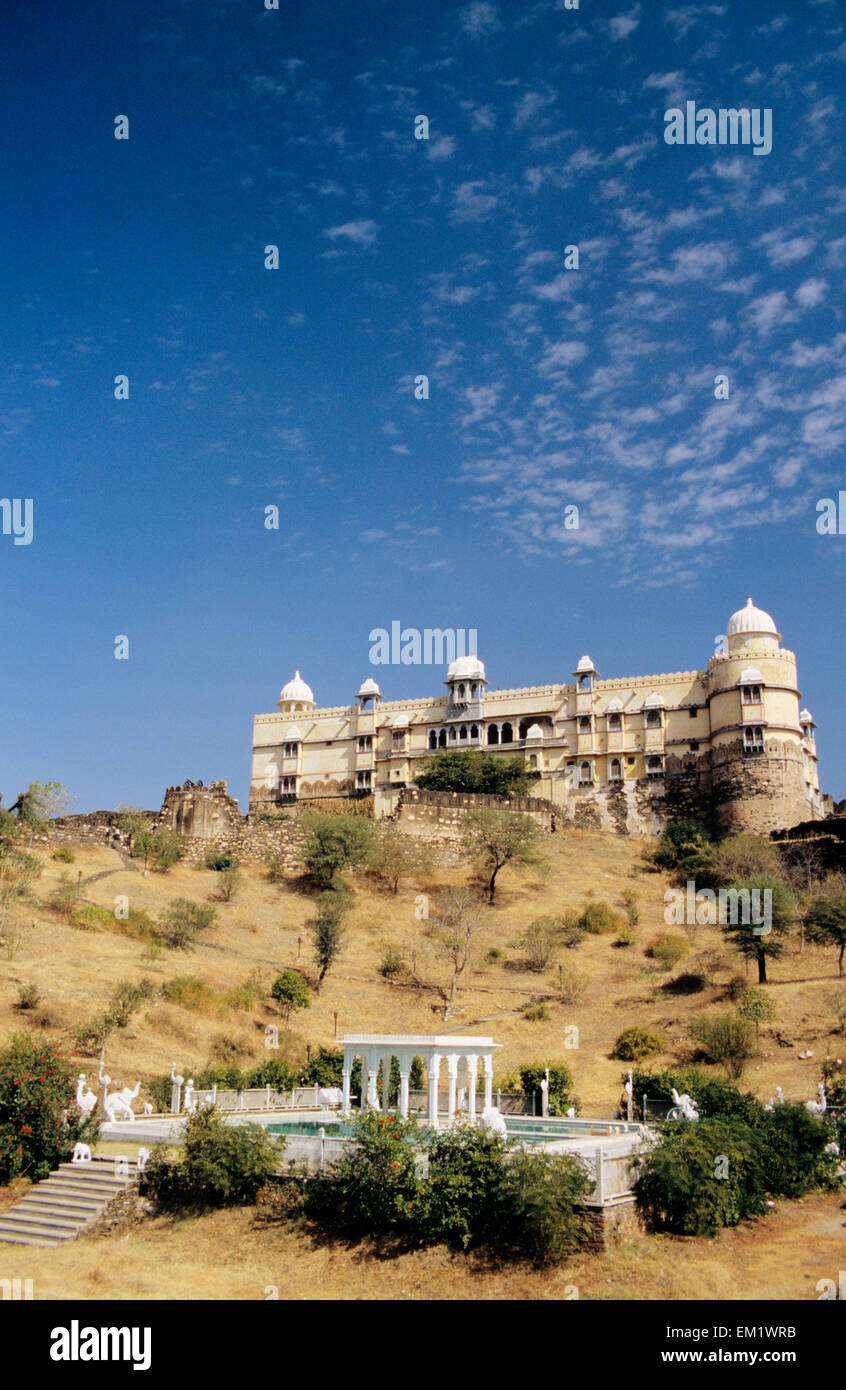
[(523, 1127)]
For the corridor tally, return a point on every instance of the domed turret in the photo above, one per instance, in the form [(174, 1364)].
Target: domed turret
[(369, 690), (295, 696), (468, 668), (751, 626)]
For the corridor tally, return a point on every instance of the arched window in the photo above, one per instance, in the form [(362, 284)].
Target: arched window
[(461, 692), (442, 739), (452, 735), (615, 770), (433, 738), (751, 694), (615, 723), (533, 760), (464, 731), (654, 767), (507, 734), (493, 733), (653, 719), (474, 731), (585, 723), (585, 774)]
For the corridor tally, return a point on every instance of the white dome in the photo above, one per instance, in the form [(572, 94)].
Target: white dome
[(468, 668), (805, 717), (750, 620), (585, 664), (369, 688), (654, 701), (534, 731), (296, 692), (614, 706), (750, 675)]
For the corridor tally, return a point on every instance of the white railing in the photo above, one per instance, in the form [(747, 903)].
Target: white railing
[(267, 1098)]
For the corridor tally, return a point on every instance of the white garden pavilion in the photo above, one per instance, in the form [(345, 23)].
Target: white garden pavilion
[(462, 1056)]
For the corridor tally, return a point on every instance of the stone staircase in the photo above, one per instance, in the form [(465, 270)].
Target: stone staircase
[(66, 1202)]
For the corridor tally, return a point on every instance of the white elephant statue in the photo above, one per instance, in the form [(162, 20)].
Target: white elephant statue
[(81, 1154), (686, 1105), (492, 1122), (86, 1099), (120, 1102)]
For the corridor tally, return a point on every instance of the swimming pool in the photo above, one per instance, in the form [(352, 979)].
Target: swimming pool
[(523, 1127)]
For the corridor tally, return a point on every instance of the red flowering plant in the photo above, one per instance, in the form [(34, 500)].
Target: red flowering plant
[(374, 1189), (39, 1119)]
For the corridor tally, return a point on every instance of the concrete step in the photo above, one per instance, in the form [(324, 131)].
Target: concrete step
[(82, 1205), (28, 1216), (17, 1238), (95, 1185), (39, 1206), (10, 1229)]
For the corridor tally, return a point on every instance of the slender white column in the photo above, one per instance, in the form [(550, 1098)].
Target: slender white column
[(434, 1069), (488, 1068), (386, 1081), (372, 1077), (346, 1079), (403, 1095), (452, 1073), (472, 1065)]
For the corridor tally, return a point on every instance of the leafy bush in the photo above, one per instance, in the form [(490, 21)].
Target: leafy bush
[(736, 988), (599, 919), (714, 1099), (795, 1157), (538, 1210), (626, 938), (474, 770), (220, 859), (181, 922), (29, 997), (536, 1013), (701, 1176), (334, 843), (683, 851), (160, 849), (668, 949), (190, 992), (276, 1072), (223, 1165), (91, 917), (88, 1037), (393, 962), (327, 930), (560, 1085), (727, 1039), (39, 1121), (572, 931), (466, 1167), (274, 868), (638, 1042), (62, 899), (689, 982), (493, 955), (64, 854), (290, 992), (373, 1188)]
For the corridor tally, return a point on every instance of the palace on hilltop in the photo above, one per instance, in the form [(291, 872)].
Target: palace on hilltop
[(729, 745)]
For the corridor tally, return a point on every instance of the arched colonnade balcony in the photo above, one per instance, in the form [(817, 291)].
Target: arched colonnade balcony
[(467, 1060)]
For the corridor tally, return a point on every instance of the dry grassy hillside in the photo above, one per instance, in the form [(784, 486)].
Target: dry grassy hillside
[(75, 971)]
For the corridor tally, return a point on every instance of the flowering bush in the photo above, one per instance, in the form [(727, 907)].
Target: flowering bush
[(39, 1120)]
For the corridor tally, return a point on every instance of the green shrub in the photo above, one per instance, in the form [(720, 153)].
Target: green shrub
[(181, 922), (64, 854), (493, 955), (701, 1176), (374, 1189), (220, 859), (160, 849), (127, 998), (290, 992), (277, 1072), (334, 843), (626, 938), (274, 868), (223, 1165), (91, 917), (540, 941), (572, 931), (635, 1043), (466, 1171), (795, 1157), (599, 919), (727, 1039), (668, 949), (393, 962), (89, 1036), (560, 1085), (29, 997), (536, 1013), (246, 994), (714, 1099), (538, 1213), (683, 851), (62, 899), (689, 982), (39, 1121), (190, 992), (736, 988)]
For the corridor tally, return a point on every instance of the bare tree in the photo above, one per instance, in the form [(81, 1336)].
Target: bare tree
[(496, 838), (452, 932)]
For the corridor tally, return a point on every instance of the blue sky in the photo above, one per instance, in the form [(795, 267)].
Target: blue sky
[(251, 387)]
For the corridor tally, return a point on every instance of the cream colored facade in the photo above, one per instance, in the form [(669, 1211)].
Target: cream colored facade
[(729, 744)]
